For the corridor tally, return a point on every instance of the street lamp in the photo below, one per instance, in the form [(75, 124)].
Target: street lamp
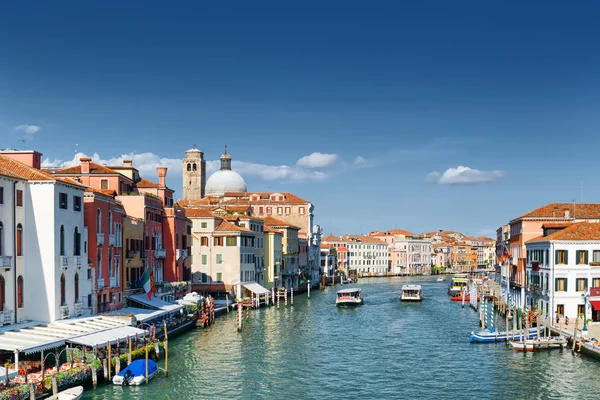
[(585, 297)]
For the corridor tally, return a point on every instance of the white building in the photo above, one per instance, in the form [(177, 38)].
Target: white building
[(366, 254), (562, 265), (49, 241)]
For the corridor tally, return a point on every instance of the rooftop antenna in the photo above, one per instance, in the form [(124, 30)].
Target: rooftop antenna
[(581, 185), (22, 140)]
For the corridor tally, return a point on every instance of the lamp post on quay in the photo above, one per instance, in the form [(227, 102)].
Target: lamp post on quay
[(585, 297)]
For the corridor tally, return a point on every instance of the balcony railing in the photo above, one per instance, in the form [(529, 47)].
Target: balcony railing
[(64, 312), (112, 239), (99, 238), (5, 262), (6, 317), (160, 253), (182, 253), (64, 262), (113, 281), (77, 261), (77, 309)]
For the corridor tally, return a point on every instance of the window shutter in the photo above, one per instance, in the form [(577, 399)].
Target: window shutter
[(555, 256), (555, 284), (566, 285), (566, 256)]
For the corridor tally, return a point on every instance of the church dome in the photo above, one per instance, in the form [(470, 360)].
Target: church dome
[(225, 180)]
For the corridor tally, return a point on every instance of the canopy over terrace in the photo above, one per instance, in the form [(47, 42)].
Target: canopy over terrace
[(255, 288), (100, 339), (154, 303), (142, 315)]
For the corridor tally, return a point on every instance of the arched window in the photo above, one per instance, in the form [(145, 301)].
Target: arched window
[(110, 227), (1, 239), (63, 294), (189, 167), (194, 167), (1, 293), (76, 242), (98, 221), (76, 284), (62, 240), (19, 240), (20, 291)]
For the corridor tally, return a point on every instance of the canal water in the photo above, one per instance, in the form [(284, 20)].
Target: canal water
[(384, 349)]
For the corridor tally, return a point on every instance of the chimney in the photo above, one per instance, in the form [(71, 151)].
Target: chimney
[(162, 173), (567, 213), (85, 165), (128, 163)]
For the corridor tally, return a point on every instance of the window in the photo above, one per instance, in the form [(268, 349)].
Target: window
[(301, 210), (288, 210), (560, 284), (279, 210), (596, 256), (110, 224), (219, 277), (63, 294), (76, 242), (189, 167), (203, 241), (560, 309), (194, 167), (98, 221), (1, 195), (19, 198), (218, 241), (269, 210), (219, 259), (561, 257), (580, 310), (595, 282), (62, 240), (582, 256), (204, 259), (103, 184), (260, 210), (2, 293), (20, 292), (1, 238), (77, 203), (204, 225), (231, 241), (19, 240), (581, 284), (63, 201)]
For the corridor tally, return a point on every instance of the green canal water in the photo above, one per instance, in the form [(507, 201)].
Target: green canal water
[(382, 350)]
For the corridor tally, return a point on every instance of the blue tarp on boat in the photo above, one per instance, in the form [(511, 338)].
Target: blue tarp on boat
[(138, 368)]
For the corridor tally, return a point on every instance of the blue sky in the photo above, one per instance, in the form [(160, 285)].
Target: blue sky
[(415, 89)]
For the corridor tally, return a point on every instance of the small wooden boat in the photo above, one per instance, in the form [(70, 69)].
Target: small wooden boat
[(540, 344), (135, 373), (73, 393), (411, 293), (349, 297), (491, 336)]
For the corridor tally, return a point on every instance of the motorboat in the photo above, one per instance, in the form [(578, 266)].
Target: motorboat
[(347, 281), (135, 373), (459, 282), (73, 393), (349, 297), (546, 343), (440, 279), (491, 335), (411, 293)]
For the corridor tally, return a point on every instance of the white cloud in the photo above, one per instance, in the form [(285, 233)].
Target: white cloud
[(359, 161), (28, 129), (463, 175), (319, 160)]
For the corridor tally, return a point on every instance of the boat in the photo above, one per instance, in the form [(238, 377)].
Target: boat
[(440, 279), (135, 373), (411, 293), (491, 335), (458, 297), (73, 393), (458, 282), (347, 281), (349, 297), (546, 343)]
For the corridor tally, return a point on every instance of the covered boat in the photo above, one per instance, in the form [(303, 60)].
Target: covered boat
[(135, 373), (73, 393), (491, 336), (411, 293), (349, 297)]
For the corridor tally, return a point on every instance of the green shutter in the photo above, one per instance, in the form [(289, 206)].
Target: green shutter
[(566, 284), (555, 284), (566, 256), (555, 257), (577, 256)]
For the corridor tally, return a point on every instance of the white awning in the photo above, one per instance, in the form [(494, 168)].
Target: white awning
[(11, 373), (110, 335), (140, 314), (255, 288), (155, 302)]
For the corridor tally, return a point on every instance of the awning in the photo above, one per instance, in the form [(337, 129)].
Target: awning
[(110, 335), (11, 373), (255, 288), (595, 304), (140, 314), (154, 303)]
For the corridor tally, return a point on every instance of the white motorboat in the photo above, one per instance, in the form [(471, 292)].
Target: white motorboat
[(540, 344), (349, 297), (440, 279), (135, 373), (411, 293), (73, 393)]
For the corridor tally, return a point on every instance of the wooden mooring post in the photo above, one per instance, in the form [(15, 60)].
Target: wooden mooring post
[(292, 295), (94, 376)]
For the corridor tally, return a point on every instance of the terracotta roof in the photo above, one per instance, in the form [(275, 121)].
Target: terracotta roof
[(233, 208), (8, 173), (227, 226), (265, 197), (17, 169), (557, 210), (199, 212), (270, 221), (330, 238), (557, 225), (94, 169), (399, 232), (210, 200), (362, 239), (145, 183), (579, 231), (269, 230), (70, 181)]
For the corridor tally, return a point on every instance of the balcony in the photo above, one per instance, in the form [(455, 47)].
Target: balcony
[(100, 283), (112, 239), (113, 281), (77, 262), (77, 309), (5, 262), (131, 254), (6, 317), (160, 253), (100, 239), (64, 262), (182, 253), (64, 312)]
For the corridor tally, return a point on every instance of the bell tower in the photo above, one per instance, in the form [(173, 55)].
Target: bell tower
[(193, 167)]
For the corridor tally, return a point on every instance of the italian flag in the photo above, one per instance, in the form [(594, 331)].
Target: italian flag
[(146, 284)]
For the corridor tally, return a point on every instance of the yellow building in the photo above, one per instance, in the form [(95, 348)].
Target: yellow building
[(135, 257)]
